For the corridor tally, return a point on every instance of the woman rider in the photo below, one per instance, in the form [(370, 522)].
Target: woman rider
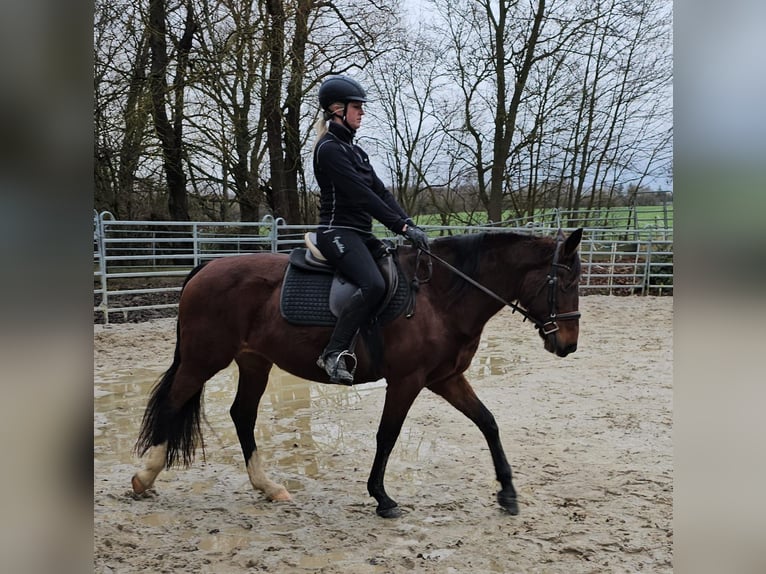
[(351, 195)]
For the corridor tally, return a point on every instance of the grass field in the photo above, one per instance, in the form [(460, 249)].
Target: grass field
[(642, 217)]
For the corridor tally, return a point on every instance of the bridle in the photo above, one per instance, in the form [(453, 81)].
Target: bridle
[(552, 280), (550, 325)]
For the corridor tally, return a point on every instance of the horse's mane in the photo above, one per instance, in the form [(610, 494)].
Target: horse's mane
[(464, 252)]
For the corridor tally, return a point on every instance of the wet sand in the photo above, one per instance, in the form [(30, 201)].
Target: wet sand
[(589, 438)]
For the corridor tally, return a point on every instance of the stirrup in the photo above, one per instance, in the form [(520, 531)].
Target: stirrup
[(350, 355), (337, 370)]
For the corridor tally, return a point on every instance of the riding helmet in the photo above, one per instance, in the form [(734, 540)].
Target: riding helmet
[(340, 89)]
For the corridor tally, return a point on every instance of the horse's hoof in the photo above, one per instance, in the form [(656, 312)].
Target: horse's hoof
[(509, 503), (393, 512), (280, 496), (138, 486)]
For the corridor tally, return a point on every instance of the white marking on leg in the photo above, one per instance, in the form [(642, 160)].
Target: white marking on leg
[(260, 481), (155, 462)]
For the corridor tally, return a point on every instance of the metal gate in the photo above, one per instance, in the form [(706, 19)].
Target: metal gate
[(139, 266)]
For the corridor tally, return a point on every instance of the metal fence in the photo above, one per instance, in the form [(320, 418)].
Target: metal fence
[(139, 266), (658, 217)]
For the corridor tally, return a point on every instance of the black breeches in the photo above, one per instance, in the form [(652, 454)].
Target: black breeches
[(350, 253)]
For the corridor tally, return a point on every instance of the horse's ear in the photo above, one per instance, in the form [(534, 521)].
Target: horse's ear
[(572, 242)]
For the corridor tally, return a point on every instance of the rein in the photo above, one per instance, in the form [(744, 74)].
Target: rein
[(548, 327)]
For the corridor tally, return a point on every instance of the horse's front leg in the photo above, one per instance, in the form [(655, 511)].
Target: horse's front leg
[(459, 393), (399, 398), (253, 378)]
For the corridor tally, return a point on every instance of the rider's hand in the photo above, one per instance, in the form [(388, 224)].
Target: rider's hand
[(417, 237)]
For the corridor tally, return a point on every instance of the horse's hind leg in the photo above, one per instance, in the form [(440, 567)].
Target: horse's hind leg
[(170, 430), (253, 378), (144, 479), (458, 392)]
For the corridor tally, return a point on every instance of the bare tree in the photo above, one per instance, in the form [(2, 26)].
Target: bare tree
[(616, 101), (328, 37), (405, 81), (276, 53), (170, 129), (493, 103), (576, 96), (494, 48), (228, 127), (121, 110)]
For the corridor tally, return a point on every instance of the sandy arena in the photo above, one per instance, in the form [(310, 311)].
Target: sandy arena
[(589, 438)]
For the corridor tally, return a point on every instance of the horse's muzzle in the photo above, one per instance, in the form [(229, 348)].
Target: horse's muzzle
[(555, 342), (564, 351)]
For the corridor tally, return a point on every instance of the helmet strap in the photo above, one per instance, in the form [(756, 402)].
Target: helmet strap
[(345, 123), (329, 115)]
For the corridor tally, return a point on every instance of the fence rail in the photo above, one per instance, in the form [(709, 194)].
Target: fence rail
[(139, 266)]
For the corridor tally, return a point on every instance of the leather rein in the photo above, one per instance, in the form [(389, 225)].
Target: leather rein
[(545, 327)]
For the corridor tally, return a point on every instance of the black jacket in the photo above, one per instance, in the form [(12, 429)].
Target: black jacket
[(351, 193)]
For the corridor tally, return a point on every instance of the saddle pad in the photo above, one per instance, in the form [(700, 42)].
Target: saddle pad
[(306, 295)]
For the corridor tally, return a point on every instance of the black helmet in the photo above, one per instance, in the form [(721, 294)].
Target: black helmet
[(340, 89)]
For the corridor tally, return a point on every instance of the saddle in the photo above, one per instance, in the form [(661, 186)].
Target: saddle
[(315, 293)]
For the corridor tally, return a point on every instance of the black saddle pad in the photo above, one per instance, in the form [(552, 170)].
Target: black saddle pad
[(306, 295)]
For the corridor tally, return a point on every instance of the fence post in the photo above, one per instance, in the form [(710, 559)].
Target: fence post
[(195, 244), (100, 240), (589, 264), (647, 269), (274, 231), (613, 266)]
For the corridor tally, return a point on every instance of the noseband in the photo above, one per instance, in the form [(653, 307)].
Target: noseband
[(547, 327)]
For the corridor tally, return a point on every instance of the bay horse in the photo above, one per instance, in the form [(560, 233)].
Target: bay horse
[(229, 310)]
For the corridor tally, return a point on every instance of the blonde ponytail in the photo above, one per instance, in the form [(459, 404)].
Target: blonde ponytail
[(320, 126)]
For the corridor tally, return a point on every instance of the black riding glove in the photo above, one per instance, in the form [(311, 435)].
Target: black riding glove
[(417, 237)]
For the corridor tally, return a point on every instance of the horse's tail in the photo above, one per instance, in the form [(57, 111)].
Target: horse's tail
[(181, 429)]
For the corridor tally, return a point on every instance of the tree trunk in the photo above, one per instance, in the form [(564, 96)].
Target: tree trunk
[(170, 134), (505, 118), (274, 39), (135, 117), (292, 164)]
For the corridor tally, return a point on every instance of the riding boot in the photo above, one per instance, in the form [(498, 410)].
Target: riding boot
[(336, 356)]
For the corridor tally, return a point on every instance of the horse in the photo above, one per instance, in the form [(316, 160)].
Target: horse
[(229, 310)]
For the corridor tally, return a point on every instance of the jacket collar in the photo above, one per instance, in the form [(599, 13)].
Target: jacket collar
[(341, 132)]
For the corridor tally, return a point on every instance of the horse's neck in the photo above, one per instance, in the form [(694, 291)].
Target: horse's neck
[(505, 263), (495, 276), (470, 311)]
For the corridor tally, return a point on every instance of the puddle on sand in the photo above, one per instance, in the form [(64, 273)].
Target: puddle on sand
[(119, 399), (224, 543), (297, 419), (321, 560), (300, 426), (160, 518), (496, 356)]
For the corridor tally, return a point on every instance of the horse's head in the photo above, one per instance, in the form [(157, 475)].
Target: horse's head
[(555, 303)]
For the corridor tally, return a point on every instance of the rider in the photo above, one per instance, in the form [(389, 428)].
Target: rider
[(351, 195)]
